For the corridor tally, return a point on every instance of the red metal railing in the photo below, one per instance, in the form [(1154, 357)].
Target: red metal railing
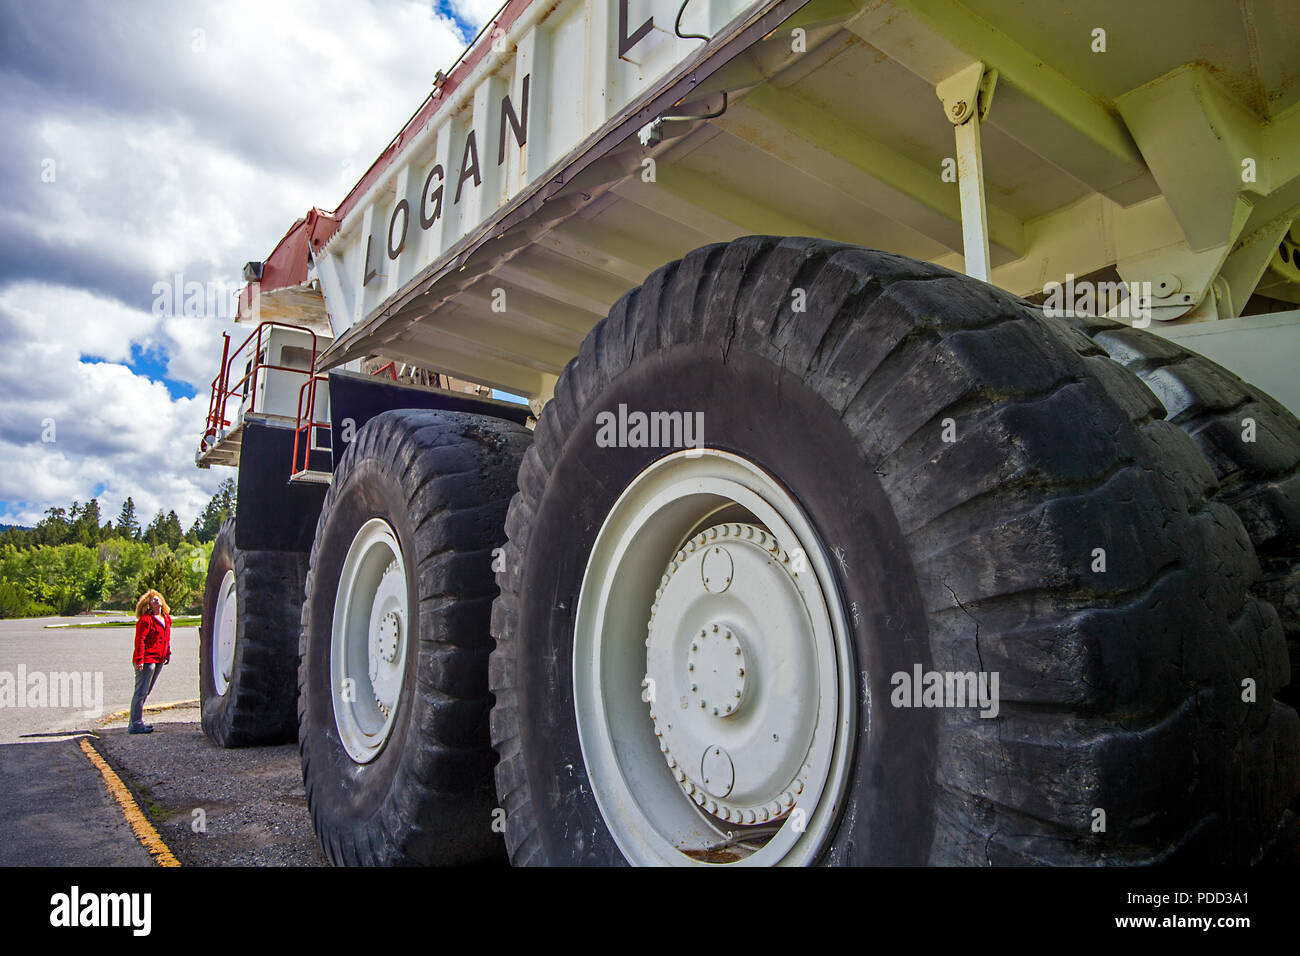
[(304, 443), (210, 428), (308, 387), (223, 388)]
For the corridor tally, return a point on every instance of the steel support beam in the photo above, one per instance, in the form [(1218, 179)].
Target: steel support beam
[(966, 97), (820, 143)]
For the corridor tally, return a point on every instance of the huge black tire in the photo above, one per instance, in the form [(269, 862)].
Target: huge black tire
[(1122, 735), (442, 482), (259, 705), (1250, 440)]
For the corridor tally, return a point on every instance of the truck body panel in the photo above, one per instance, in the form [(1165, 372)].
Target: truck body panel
[(1154, 167)]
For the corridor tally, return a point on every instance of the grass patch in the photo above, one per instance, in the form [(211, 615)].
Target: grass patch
[(151, 806), (189, 620)]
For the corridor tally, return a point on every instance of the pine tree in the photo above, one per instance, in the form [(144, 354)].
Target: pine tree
[(220, 507), (171, 532), (127, 525), (167, 577), (85, 528), (153, 533)]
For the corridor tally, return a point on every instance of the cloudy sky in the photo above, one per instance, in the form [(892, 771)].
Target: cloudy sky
[(147, 140)]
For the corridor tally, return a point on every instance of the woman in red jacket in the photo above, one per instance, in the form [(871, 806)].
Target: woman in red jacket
[(153, 649)]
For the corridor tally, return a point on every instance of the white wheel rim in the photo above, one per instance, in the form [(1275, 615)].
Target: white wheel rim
[(368, 641), (223, 634), (688, 785)]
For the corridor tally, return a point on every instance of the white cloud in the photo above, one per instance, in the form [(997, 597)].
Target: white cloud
[(110, 427), (186, 139), (177, 149), (477, 12)]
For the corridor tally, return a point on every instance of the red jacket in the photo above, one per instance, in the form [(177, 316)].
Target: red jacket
[(153, 641)]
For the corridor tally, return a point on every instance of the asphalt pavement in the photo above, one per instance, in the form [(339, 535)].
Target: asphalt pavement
[(28, 648), (56, 811), (212, 807)]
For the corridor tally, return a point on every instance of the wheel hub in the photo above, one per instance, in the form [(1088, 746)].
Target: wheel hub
[(224, 633), (731, 655), (672, 788), (368, 641), (715, 667), (384, 640)]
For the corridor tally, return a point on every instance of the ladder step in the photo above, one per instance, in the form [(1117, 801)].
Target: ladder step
[(314, 477)]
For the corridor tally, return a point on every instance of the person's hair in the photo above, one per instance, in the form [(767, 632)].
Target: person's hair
[(142, 605)]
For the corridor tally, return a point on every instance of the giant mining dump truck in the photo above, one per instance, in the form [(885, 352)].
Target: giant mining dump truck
[(907, 466)]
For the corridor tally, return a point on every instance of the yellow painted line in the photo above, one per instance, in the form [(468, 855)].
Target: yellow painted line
[(139, 823), (148, 709)]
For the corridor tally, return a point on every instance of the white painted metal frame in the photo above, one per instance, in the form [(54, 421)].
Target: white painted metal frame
[(576, 81), (966, 97)]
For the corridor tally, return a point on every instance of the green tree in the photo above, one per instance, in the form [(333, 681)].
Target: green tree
[(85, 526), (13, 599), (54, 528), (77, 562), (69, 562), (164, 529), (168, 578), (220, 507), (127, 525), (17, 537), (172, 533), (128, 562), (96, 586), (195, 559), (57, 576)]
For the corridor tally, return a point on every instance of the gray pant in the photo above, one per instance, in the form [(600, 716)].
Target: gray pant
[(145, 678)]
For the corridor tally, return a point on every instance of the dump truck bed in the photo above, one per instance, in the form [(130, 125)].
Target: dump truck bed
[(520, 202)]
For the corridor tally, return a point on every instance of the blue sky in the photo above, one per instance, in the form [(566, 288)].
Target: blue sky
[(465, 26), (150, 363)]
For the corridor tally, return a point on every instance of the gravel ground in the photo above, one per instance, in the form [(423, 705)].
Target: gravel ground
[(253, 803)]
